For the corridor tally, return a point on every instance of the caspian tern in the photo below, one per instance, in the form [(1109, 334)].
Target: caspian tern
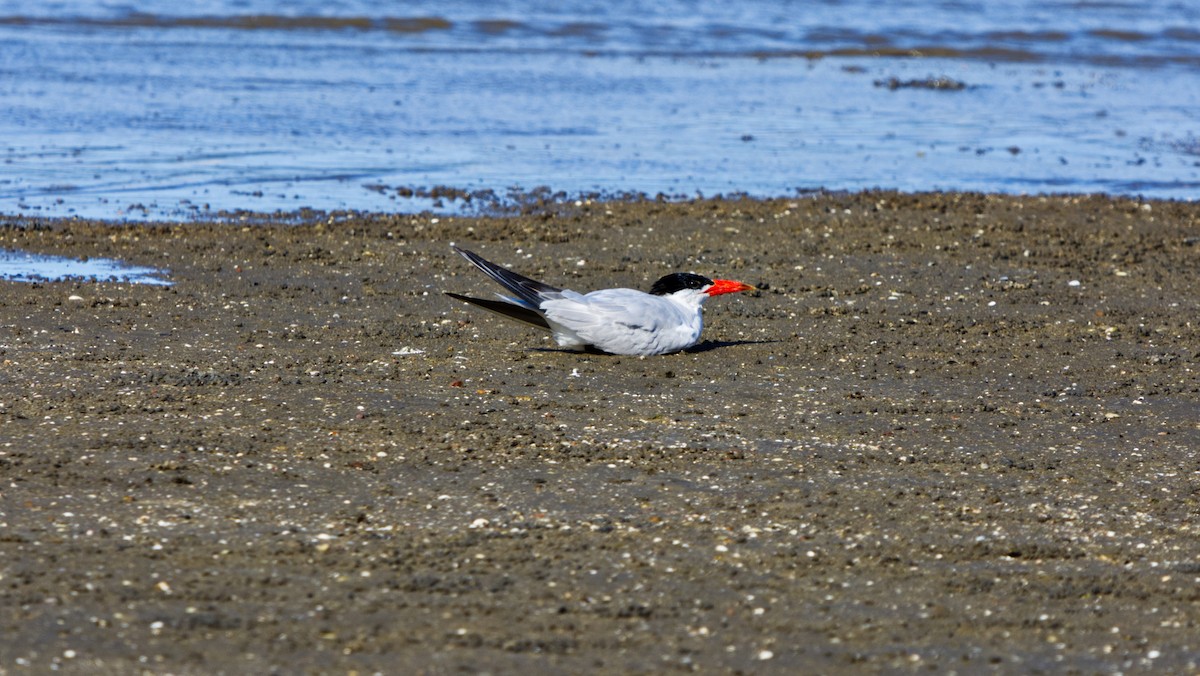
[(617, 321)]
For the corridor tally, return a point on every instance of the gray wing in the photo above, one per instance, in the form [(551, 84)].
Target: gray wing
[(625, 321)]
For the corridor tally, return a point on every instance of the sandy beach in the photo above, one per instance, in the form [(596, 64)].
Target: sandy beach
[(952, 432)]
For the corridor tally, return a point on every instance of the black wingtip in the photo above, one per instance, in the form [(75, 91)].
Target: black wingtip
[(531, 291), (508, 310)]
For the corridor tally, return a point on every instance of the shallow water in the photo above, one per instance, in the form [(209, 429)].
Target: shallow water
[(20, 266), (181, 111)]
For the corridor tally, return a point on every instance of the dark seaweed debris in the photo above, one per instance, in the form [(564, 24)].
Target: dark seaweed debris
[(938, 83)]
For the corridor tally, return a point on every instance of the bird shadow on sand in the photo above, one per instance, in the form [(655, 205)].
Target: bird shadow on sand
[(709, 345), (704, 346)]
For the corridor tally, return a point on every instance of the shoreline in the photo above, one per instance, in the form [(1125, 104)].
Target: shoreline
[(953, 431), (448, 201)]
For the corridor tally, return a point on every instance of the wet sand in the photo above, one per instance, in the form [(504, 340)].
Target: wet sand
[(953, 431)]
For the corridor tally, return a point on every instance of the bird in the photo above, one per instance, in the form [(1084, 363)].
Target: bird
[(618, 321)]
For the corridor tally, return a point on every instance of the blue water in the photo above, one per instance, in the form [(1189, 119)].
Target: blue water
[(183, 110)]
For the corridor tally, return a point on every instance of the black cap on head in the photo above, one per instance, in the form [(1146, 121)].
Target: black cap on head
[(678, 281)]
